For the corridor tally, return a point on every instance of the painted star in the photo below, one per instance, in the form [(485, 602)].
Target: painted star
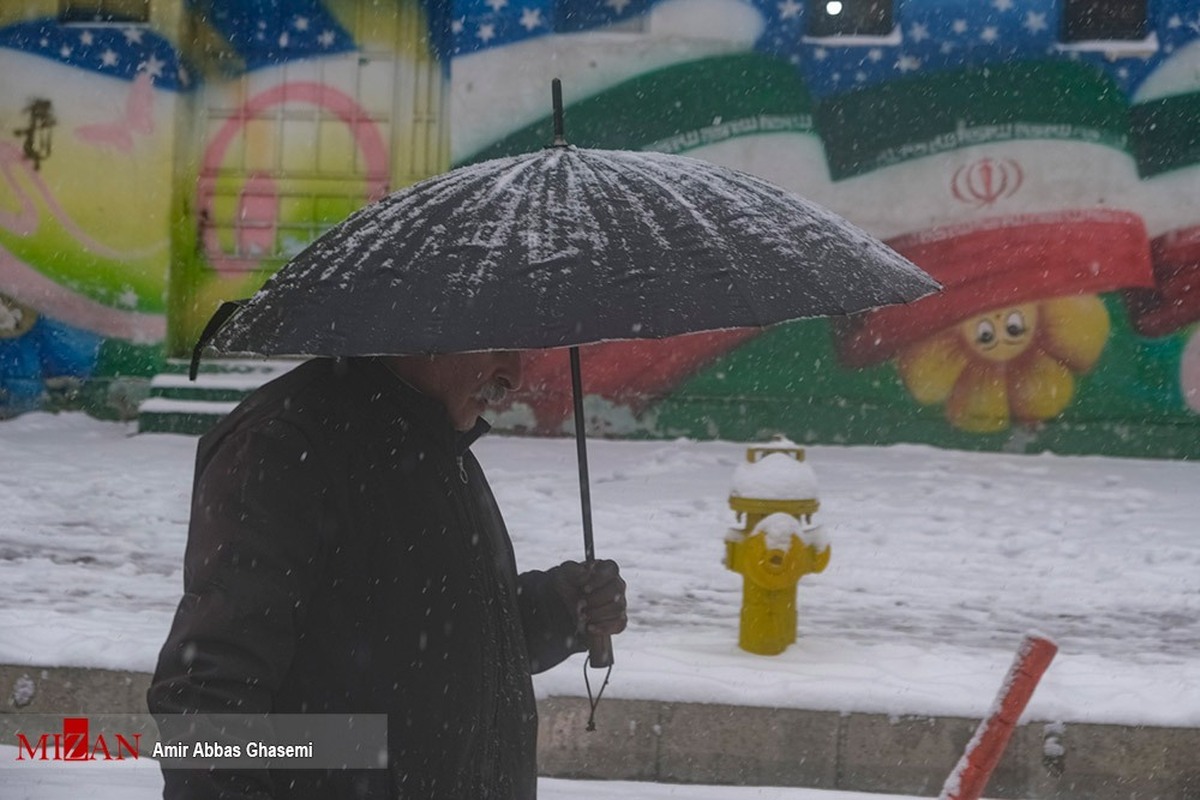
[(1002, 5), (919, 32), (959, 26), (65, 51), (496, 5), (1035, 21), (109, 59), (789, 9), (153, 66), (908, 63), (457, 26), (133, 35), (486, 32), (300, 23), (284, 39), (1175, 21), (820, 54), (617, 5), (86, 38), (875, 54), (989, 34), (531, 18), (326, 39)]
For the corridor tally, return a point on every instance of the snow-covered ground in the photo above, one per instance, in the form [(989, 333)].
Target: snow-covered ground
[(942, 560)]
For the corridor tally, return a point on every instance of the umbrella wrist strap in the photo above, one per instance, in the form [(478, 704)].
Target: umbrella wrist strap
[(594, 702)]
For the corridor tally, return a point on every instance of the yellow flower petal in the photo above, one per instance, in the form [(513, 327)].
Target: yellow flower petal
[(979, 401), (1041, 389), (1074, 330), (931, 367)]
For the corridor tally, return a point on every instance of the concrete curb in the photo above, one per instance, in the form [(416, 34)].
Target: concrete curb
[(649, 740)]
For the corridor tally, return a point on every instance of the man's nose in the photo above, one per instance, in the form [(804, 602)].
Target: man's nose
[(512, 367)]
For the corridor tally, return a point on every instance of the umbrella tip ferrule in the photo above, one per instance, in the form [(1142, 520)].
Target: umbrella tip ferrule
[(556, 100)]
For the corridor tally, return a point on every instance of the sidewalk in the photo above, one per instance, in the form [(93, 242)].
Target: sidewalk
[(711, 744)]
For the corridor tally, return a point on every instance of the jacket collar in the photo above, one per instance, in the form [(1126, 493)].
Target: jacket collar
[(468, 438), (426, 412)]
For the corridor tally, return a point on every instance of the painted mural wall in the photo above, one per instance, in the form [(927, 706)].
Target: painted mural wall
[(86, 162), (1052, 188), (154, 165), (150, 169)]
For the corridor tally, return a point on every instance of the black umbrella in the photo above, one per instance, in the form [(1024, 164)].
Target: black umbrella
[(560, 248)]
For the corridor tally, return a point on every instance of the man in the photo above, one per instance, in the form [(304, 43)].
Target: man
[(345, 555)]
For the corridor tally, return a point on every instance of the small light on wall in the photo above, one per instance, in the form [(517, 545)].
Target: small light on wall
[(849, 17)]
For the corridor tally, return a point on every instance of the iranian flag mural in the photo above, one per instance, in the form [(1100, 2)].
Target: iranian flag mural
[(1018, 170), (970, 139)]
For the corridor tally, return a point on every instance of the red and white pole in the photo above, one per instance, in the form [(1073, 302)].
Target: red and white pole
[(970, 776)]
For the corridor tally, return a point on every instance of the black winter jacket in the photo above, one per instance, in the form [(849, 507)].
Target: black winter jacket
[(345, 555)]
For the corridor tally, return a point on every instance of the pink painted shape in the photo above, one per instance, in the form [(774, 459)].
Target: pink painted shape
[(136, 117), (29, 287), (257, 216), (344, 107), (25, 221)]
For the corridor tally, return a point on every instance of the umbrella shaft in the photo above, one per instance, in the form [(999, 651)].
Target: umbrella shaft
[(556, 104), (585, 492)]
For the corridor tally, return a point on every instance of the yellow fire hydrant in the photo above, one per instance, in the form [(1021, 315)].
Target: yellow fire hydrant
[(774, 495)]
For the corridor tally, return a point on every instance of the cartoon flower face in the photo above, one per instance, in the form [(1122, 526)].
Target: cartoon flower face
[(1001, 335), (1012, 362)]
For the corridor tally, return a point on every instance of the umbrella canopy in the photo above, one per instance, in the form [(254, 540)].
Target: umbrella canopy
[(564, 247)]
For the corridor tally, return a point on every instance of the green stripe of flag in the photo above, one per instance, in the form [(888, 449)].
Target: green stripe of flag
[(1166, 133), (923, 115), (677, 108)]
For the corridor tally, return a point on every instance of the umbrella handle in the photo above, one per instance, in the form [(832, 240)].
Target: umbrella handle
[(600, 652)]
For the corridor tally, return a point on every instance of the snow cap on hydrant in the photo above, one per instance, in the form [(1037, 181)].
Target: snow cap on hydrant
[(775, 471), (775, 495)]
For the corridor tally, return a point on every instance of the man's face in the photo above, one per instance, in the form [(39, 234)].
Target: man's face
[(466, 383)]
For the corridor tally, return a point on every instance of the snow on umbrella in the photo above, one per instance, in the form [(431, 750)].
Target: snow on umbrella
[(559, 248)]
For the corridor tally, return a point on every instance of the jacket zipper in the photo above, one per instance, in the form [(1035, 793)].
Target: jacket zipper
[(462, 470)]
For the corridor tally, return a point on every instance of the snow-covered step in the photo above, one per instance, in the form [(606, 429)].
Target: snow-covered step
[(178, 404)]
